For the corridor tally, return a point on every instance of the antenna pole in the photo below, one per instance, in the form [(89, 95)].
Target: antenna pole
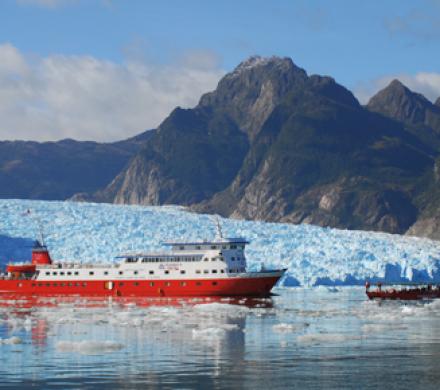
[(39, 226), (219, 227)]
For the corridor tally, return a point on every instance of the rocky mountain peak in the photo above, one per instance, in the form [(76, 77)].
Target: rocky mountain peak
[(282, 63), (399, 102), (252, 90), (327, 86)]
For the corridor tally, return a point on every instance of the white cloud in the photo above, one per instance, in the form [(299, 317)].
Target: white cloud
[(83, 97), (426, 83)]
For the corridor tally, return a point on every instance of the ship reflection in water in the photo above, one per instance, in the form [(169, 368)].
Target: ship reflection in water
[(301, 338)]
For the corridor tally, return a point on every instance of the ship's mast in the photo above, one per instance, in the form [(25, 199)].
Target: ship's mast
[(39, 225), (219, 228)]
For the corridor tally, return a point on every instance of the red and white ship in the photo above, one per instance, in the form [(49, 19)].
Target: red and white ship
[(215, 268)]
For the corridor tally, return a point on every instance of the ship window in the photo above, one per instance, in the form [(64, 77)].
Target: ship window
[(76, 273), (183, 284), (167, 284), (151, 284), (121, 272), (84, 284), (91, 273), (224, 247), (47, 273), (231, 271), (167, 272), (70, 284), (213, 259), (61, 273), (181, 247), (33, 284), (69, 273), (205, 271), (198, 283), (183, 271), (135, 284), (76, 284), (198, 247), (233, 258), (222, 271), (198, 271), (47, 284), (214, 283), (205, 259), (151, 272), (121, 283), (55, 284), (135, 272), (213, 246), (214, 271), (105, 272), (233, 246), (54, 273)]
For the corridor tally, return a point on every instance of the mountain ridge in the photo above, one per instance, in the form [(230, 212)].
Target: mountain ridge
[(274, 143)]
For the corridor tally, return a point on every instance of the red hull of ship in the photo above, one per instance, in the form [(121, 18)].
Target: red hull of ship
[(251, 286)]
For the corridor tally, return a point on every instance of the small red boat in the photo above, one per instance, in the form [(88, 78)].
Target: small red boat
[(403, 292)]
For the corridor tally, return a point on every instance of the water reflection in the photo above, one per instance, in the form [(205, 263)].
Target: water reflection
[(310, 338)]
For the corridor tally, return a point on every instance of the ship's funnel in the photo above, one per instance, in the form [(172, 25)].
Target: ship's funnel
[(40, 254)]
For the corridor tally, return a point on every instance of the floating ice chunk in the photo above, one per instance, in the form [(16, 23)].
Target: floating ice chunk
[(285, 328), (87, 347), (320, 338), (379, 328), (11, 340)]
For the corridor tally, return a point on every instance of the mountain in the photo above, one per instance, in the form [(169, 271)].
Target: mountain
[(57, 170), (275, 144), (398, 102), (323, 159), (198, 152), (269, 143)]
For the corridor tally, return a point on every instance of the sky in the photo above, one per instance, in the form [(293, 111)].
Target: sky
[(109, 69)]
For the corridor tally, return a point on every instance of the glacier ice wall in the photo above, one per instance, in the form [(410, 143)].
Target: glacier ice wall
[(98, 232)]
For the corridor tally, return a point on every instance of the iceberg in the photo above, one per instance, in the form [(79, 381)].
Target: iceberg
[(90, 232)]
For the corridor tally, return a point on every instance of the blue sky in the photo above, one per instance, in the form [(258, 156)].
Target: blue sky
[(361, 44)]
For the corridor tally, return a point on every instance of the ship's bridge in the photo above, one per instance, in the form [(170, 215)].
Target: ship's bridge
[(217, 244)]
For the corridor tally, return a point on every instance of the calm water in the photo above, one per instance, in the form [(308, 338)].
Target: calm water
[(303, 338)]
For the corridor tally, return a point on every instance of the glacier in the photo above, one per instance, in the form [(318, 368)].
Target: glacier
[(90, 232)]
